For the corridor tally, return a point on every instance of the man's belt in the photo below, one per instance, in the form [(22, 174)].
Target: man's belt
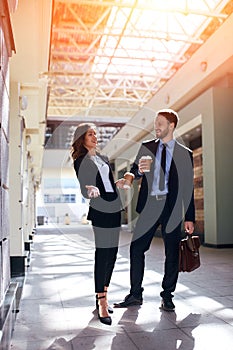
[(159, 197)]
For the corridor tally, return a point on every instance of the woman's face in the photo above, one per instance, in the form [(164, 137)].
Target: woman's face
[(90, 139)]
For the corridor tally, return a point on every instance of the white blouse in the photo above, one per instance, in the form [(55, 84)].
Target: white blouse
[(104, 172)]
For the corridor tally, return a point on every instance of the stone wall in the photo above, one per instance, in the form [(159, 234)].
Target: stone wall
[(4, 164)]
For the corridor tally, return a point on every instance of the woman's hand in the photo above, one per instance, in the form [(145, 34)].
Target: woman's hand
[(92, 191)]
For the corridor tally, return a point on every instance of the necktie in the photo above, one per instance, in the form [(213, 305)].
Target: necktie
[(162, 169)]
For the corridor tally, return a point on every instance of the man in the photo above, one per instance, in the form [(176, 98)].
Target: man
[(166, 199)]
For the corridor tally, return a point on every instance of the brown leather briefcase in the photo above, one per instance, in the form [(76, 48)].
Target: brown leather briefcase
[(189, 256)]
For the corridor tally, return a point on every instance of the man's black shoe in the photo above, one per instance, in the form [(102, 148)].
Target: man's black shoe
[(167, 305), (129, 300)]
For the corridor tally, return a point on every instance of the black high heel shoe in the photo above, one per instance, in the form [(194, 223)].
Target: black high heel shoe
[(107, 319), (110, 309)]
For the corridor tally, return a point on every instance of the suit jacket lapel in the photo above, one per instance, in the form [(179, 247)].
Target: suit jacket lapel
[(153, 146)]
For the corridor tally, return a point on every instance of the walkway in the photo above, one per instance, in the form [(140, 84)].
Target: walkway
[(57, 312)]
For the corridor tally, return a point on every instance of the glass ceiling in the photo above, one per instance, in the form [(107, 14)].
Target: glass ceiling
[(108, 58)]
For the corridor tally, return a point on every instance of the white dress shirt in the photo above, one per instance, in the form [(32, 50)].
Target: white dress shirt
[(104, 172)]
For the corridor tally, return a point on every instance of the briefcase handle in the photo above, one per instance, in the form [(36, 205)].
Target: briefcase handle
[(193, 242)]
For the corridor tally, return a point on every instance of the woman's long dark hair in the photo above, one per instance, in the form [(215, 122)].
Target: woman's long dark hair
[(78, 148)]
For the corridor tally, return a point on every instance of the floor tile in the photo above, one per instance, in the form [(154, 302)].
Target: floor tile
[(57, 307)]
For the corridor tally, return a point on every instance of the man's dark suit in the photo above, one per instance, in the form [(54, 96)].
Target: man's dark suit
[(178, 205)]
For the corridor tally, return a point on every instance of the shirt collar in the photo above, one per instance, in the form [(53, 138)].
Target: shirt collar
[(170, 144)]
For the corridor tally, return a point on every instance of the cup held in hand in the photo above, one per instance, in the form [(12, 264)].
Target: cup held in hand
[(145, 163)]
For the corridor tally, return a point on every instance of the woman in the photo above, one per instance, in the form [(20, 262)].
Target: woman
[(96, 181)]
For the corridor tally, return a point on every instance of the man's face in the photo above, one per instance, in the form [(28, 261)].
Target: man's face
[(163, 128)]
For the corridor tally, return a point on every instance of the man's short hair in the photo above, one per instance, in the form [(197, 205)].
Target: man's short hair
[(169, 114)]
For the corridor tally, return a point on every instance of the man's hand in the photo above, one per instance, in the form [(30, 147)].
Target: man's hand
[(92, 191), (189, 227), (120, 183), (144, 164)]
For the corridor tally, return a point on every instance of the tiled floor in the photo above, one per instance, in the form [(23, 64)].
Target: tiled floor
[(57, 306)]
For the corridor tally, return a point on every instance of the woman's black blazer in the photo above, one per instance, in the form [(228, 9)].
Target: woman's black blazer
[(103, 210)]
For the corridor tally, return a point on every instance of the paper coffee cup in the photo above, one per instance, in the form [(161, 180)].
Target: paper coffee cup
[(147, 160)]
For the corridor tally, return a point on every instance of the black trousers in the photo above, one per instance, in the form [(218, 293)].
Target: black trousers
[(106, 243), (155, 213)]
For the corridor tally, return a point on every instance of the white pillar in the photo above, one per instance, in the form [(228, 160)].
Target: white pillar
[(217, 168), (15, 174)]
